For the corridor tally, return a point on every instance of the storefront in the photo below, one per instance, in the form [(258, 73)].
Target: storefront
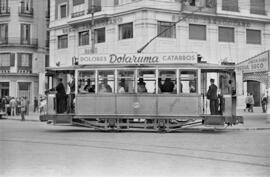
[(254, 74)]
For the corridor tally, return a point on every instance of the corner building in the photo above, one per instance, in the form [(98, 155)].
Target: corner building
[(221, 30), (23, 47)]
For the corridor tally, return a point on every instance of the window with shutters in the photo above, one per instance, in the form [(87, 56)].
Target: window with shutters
[(167, 29), (100, 35), (62, 10), (63, 41), (83, 38), (4, 9), (126, 31), (197, 32), (25, 33), (25, 59), (257, 7), (3, 33), (230, 5), (253, 36), (94, 6), (5, 59), (225, 34)]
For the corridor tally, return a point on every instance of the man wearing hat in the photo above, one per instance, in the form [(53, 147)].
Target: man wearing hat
[(212, 96)]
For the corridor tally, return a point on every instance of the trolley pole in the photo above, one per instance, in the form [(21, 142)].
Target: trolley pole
[(92, 27)]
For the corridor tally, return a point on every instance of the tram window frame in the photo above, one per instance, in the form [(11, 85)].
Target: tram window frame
[(128, 80), (181, 91), (92, 88), (146, 79), (109, 90), (173, 79)]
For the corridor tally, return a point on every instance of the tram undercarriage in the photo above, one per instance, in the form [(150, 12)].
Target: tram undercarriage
[(142, 123)]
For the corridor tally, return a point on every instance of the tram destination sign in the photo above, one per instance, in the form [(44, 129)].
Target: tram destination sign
[(134, 59)]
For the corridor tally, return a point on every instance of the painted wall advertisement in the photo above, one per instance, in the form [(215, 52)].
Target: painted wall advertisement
[(258, 63), (129, 59)]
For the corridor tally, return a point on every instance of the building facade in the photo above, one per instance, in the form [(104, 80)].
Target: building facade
[(23, 47), (218, 30)]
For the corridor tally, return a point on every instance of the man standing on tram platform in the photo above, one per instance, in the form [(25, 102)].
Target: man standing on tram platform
[(60, 97), (212, 96)]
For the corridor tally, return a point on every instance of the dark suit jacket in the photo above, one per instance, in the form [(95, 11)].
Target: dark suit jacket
[(212, 92)]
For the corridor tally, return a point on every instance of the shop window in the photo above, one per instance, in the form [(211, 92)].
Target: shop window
[(106, 81), (168, 26), (86, 82), (253, 36), (197, 32), (167, 81), (146, 81), (83, 38), (126, 81), (100, 35), (63, 41), (225, 34), (188, 81), (126, 31)]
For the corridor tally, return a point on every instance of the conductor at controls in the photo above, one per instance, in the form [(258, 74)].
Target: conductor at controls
[(212, 96)]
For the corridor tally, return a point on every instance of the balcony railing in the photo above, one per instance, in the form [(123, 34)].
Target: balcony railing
[(230, 8), (24, 69), (13, 41), (28, 12), (4, 69), (4, 11), (77, 14), (258, 11)]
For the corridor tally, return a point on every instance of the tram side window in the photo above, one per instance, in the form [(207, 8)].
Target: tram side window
[(188, 81), (167, 81), (126, 81), (86, 82), (146, 82), (106, 81)]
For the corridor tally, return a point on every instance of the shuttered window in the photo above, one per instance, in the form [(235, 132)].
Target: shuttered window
[(230, 5), (170, 30), (4, 59), (96, 7), (77, 2), (83, 38), (3, 33), (25, 59), (63, 11), (257, 7), (63, 41), (197, 32), (225, 34), (253, 36)]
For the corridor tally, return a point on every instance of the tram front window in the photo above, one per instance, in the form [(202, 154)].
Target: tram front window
[(86, 82), (106, 81), (188, 81), (126, 81), (167, 81), (146, 82)]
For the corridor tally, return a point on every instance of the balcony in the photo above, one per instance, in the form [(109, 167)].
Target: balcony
[(14, 42), (4, 69), (77, 14), (258, 11), (4, 11), (230, 8), (26, 12)]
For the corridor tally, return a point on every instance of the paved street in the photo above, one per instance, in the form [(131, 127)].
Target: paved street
[(33, 148)]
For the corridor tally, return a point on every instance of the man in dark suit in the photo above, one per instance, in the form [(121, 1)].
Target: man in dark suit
[(212, 96), (60, 97)]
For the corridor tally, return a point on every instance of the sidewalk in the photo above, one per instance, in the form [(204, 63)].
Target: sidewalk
[(252, 120)]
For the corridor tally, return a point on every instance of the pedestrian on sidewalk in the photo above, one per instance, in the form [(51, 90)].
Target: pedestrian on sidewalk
[(247, 102), (12, 104), (264, 102), (23, 108), (251, 102), (35, 104)]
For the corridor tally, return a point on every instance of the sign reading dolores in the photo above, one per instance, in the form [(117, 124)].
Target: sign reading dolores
[(130, 59)]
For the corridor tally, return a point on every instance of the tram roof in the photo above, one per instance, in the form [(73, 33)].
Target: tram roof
[(203, 66)]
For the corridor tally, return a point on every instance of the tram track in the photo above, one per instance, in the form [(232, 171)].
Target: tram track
[(172, 151)]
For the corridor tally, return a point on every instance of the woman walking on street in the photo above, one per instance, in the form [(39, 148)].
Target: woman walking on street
[(23, 108)]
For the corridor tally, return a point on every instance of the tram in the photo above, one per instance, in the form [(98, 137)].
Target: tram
[(149, 92)]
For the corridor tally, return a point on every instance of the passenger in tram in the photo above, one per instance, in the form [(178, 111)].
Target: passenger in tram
[(121, 88), (212, 96), (71, 96), (159, 85), (105, 87), (141, 86), (87, 87), (60, 97), (168, 86)]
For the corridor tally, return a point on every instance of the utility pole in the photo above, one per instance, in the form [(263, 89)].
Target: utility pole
[(92, 27)]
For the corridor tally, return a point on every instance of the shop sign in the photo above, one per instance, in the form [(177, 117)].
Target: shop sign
[(256, 64), (130, 59)]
